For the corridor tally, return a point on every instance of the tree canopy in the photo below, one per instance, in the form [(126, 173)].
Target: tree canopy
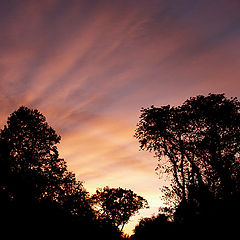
[(31, 172), (117, 205), (200, 141)]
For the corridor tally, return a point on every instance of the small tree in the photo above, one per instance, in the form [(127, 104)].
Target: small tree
[(117, 205)]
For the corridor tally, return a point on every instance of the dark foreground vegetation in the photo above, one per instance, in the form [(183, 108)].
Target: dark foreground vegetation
[(197, 145), (39, 195)]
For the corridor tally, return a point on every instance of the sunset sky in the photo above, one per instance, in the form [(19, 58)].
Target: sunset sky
[(90, 65)]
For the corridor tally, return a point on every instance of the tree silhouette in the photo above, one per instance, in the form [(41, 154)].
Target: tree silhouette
[(117, 205), (200, 140), (34, 181)]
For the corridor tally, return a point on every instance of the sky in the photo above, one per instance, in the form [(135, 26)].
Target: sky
[(90, 65)]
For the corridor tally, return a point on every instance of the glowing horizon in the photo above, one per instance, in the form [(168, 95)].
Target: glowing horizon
[(89, 67)]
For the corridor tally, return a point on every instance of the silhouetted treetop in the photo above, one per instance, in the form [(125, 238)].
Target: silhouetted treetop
[(31, 168), (200, 139), (29, 136), (117, 205)]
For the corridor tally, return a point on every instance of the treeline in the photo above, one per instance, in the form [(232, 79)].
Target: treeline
[(197, 146), (38, 194)]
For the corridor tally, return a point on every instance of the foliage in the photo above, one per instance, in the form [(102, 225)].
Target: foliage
[(117, 205), (35, 185), (32, 164), (201, 142), (196, 143), (151, 227), (37, 191)]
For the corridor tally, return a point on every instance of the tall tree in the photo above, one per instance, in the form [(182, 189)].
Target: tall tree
[(200, 139), (31, 170)]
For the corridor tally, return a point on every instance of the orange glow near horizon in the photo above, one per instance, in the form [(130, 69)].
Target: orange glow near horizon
[(89, 67)]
